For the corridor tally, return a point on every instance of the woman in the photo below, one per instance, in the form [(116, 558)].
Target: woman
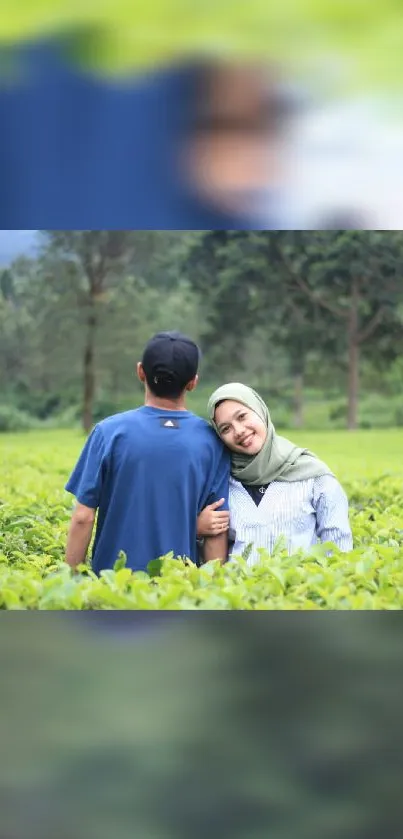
[(276, 488)]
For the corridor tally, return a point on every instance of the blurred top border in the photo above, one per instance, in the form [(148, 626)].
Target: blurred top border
[(356, 41)]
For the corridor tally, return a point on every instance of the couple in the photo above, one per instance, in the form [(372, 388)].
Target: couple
[(160, 476)]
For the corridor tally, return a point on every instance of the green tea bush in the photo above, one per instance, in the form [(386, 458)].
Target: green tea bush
[(13, 419), (35, 512), (378, 411)]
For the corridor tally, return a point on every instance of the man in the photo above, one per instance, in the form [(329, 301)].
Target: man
[(150, 471)]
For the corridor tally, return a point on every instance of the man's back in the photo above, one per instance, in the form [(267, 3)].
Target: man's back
[(149, 472)]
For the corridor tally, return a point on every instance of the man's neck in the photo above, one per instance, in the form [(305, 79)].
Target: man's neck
[(152, 401)]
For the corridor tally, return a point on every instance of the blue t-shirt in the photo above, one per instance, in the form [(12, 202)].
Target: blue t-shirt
[(149, 472)]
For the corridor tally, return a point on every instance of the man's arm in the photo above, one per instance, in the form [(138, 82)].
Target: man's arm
[(216, 547), (86, 483), (79, 536)]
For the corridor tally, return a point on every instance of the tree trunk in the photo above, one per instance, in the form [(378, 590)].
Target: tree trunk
[(89, 369), (353, 358), (298, 400)]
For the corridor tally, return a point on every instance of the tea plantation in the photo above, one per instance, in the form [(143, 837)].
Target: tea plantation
[(35, 512)]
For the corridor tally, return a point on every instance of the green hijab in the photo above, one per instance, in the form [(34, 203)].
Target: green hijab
[(279, 459)]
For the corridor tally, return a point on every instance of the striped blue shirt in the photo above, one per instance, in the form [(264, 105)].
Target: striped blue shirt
[(304, 512)]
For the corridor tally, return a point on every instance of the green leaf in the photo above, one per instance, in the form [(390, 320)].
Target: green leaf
[(120, 562), (154, 567)]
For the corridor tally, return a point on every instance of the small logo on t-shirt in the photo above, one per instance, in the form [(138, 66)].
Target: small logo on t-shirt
[(169, 423)]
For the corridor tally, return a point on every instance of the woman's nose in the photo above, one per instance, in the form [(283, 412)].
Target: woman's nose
[(238, 430)]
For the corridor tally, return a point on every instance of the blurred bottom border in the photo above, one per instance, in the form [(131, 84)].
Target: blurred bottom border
[(237, 724)]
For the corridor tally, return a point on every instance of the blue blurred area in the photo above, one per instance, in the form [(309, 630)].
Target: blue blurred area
[(81, 151), (125, 625)]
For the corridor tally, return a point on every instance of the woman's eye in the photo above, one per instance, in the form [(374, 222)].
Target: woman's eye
[(224, 430), (242, 416)]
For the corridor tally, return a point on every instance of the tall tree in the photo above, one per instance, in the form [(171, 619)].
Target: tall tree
[(353, 276), (244, 285), (94, 262), (278, 308), (326, 290)]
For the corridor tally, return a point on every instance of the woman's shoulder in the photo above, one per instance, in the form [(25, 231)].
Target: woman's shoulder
[(327, 485)]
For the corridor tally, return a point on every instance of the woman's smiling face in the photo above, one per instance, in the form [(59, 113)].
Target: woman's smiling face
[(240, 428)]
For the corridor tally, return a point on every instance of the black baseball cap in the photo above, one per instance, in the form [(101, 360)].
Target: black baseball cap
[(170, 361)]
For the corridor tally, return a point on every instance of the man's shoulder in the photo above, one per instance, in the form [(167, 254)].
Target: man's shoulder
[(204, 428), (121, 420), (199, 422)]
